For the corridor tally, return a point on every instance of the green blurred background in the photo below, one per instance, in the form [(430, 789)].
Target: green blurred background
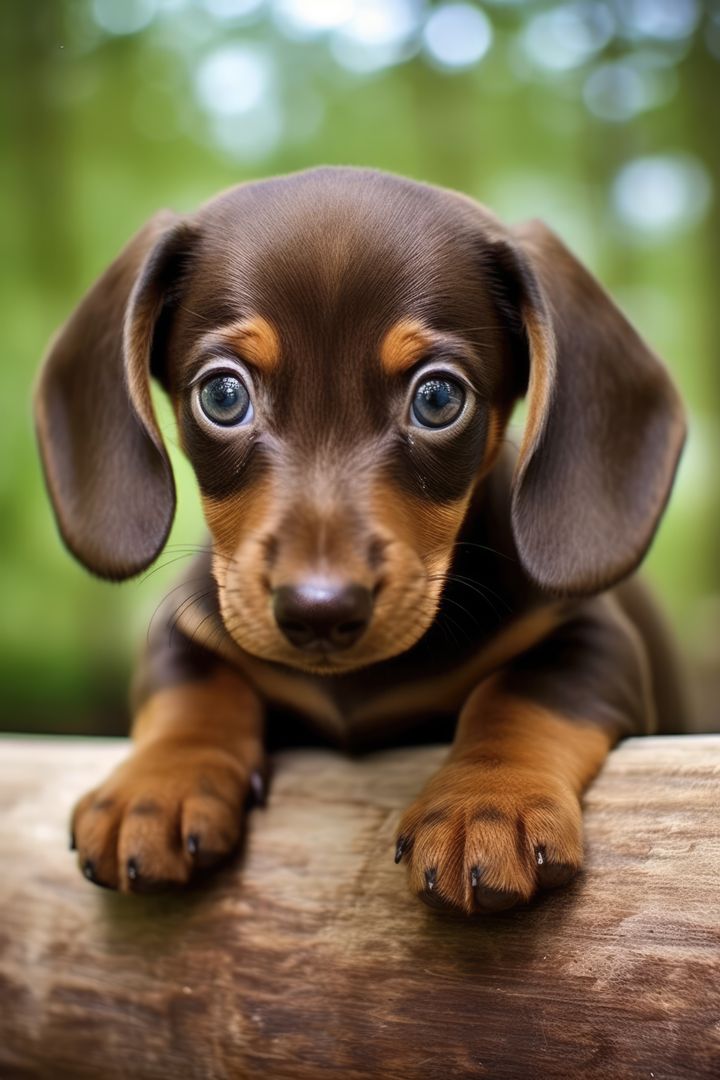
[(601, 116)]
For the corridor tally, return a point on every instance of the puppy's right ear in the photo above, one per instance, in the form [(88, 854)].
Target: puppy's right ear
[(106, 468)]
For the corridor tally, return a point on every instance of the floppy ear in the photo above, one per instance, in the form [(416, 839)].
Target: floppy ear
[(604, 431), (106, 468)]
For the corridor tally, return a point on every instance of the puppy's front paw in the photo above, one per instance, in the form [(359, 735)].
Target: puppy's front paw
[(169, 810), (483, 839)]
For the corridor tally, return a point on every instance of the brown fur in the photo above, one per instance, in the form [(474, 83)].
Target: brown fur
[(331, 295)]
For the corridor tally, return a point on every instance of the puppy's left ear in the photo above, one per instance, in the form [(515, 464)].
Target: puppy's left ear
[(107, 471), (604, 430)]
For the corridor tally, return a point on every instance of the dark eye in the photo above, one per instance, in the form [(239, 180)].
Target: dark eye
[(224, 400), (437, 402)]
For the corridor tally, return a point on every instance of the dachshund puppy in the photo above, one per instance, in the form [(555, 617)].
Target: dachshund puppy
[(343, 350)]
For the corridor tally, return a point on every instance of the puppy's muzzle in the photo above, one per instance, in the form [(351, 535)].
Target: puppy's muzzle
[(321, 616)]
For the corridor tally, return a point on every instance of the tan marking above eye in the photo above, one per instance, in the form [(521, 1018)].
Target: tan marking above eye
[(404, 344), (255, 339)]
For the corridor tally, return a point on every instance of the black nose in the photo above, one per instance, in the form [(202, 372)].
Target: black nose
[(322, 616)]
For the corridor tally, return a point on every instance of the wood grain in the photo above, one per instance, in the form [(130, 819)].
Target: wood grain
[(308, 959)]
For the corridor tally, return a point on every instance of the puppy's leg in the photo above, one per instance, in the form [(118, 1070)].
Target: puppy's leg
[(503, 816), (177, 803)]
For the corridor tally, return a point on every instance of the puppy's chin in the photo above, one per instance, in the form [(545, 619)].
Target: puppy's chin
[(381, 643)]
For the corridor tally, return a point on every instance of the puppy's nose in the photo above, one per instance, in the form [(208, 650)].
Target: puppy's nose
[(322, 615)]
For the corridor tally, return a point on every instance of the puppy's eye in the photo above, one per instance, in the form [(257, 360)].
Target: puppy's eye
[(224, 400), (437, 402)]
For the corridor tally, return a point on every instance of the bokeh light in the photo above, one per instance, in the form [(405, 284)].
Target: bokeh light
[(660, 195), (457, 35), (567, 36), (233, 79), (126, 17), (378, 33), (307, 18), (620, 90), (665, 20), (234, 10)]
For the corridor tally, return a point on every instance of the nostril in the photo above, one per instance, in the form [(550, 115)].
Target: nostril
[(292, 628), (320, 615)]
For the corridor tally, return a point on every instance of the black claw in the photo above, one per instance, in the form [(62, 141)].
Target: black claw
[(193, 844), (73, 842), (89, 871), (431, 878), (400, 849), (133, 871), (475, 876), (258, 787), (540, 855)]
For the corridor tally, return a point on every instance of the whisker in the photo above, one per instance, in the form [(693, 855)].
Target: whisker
[(445, 625), (457, 604), (163, 565), (210, 615), (186, 603), (485, 547), (448, 579), (167, 595), (480, 587)]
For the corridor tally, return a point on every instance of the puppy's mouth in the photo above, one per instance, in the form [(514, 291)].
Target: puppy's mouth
[(334, 630)]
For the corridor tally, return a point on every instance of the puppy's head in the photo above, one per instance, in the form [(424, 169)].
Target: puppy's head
[(343, 349)]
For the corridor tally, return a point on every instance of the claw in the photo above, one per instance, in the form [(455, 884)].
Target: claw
[(474, 876), (89, 869), (192, 844), (257, 786), (540, 856), (73, 842), (133, 871), (400, 849), (431, 878)]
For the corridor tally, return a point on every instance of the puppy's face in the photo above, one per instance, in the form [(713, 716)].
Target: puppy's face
[(341, 377), (343, 349)]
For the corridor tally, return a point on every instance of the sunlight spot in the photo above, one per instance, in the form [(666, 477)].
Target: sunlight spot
[(380, 33), (307, 18), (233, 79), (124, 16), (662, 194), (457, 35), (666, 20), (228, 10), (621, 90), (566, 37)]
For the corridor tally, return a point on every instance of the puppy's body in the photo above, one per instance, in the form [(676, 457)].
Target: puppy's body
[(489, 614), (343, 351)]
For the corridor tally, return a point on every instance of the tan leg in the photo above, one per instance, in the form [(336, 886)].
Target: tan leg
[(177, 804), (503, 816)]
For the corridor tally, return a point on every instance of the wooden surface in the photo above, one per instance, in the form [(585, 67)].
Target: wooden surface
[(309, 959)]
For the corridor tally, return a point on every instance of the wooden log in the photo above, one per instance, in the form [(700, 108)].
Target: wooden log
[(308, 959)]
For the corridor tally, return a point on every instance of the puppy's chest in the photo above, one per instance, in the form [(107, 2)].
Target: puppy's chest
[(377, 703)]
